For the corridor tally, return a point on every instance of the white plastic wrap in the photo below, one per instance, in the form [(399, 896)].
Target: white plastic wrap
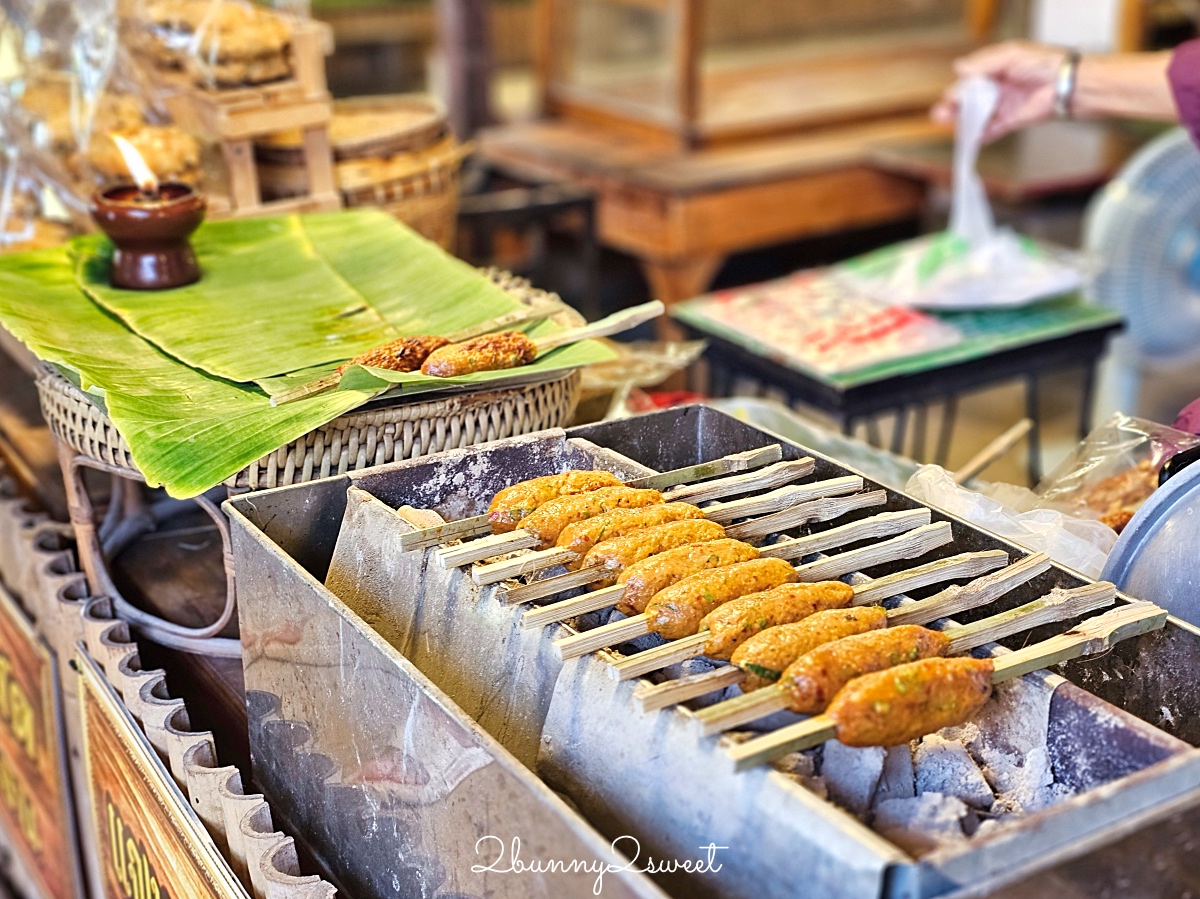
[(974, 264), (1081, 544)]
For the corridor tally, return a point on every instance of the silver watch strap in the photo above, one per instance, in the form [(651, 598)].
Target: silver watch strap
[(1064, 84)]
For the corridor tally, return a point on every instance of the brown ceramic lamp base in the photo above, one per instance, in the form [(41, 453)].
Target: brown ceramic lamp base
[(150, 234)]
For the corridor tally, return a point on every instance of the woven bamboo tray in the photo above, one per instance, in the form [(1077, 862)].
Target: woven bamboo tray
[(359, 439)]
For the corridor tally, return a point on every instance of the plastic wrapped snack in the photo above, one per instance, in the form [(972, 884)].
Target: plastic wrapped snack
[(1114, 471), (216, 43)]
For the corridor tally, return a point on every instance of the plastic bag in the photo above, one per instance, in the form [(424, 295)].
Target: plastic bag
[(973, 265), (213, 43), (1080, 544), (1114, 471)]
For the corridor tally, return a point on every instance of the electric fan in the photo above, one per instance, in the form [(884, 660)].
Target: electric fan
[(1143, 230)]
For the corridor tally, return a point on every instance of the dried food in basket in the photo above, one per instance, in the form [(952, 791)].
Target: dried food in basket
[(221, 43), (365, 128)]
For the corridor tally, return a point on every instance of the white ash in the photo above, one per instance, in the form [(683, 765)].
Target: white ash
[(852, 774), (802, 767), (944, 766), (923, 823), (899, 779), (959, 783)]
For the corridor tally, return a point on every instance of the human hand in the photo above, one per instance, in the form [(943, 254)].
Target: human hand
[(1026, 73)]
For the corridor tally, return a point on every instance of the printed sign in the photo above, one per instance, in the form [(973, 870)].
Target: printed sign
[(34, 794), (151, 844)]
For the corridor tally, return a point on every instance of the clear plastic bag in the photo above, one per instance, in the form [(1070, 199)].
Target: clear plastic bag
[(213, 43), (973, 265), (1077, 543), (1114, 471)]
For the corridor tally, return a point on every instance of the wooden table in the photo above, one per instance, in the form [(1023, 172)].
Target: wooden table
[(1022, 344), (681, 213)]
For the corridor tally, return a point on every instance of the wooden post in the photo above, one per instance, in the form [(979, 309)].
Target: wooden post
[(467, 57)]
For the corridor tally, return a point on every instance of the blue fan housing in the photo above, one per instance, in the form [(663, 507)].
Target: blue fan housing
[(1143, 231)]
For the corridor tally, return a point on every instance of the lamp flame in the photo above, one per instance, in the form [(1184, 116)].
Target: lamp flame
[(142, 175)]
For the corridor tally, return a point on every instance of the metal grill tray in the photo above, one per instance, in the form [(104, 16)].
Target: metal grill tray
[(327, 684)]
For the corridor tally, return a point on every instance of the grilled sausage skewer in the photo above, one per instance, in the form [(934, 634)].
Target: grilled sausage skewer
[(478, 525), (405, 354), (894, 706), (811, 682), (675, 568), (767, 654), (512, 349), (549, 523), (677, 611), (546, 524)]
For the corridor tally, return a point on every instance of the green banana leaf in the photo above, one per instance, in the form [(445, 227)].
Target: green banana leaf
[(281, 294), (187, 430), (359, 377)]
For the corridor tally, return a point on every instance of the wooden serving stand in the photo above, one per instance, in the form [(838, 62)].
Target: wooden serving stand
[(234, 117)]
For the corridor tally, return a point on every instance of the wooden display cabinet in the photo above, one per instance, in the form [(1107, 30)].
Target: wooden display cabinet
[(705, 72)]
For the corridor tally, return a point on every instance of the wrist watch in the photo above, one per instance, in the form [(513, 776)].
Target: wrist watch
[(1064, 84)]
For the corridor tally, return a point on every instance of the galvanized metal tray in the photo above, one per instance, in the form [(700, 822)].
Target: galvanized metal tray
[(326, 664)]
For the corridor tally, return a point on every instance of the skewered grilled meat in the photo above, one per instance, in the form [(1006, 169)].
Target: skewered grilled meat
[(677, 611), (581, 536), (547, 521), (732, 624), (888, 708), (816, 677), (513, 503), (618, 554), (765, 656), (403, 354), (491, 352), (645, 578)]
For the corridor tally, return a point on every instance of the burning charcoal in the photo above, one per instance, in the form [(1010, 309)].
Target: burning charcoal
[(851, 775), (921, 824), (945, 766), (898, 781), (802, 767)]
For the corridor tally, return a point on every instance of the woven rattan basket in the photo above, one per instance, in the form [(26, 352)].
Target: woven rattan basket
[(420, 189), (360, 439), (392, 152)]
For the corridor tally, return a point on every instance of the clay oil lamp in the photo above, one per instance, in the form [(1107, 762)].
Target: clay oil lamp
[(149, 225)]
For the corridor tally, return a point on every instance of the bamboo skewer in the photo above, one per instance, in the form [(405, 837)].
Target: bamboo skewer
[(816, 510), (979, 592), (487, 547), (1090, 637), (499, 323), (884, 525), (1058, 605), (605, 327), (495, 572), (478, 524), (914, 543), (826, 508)]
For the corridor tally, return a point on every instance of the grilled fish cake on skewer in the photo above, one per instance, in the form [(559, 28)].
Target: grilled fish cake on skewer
[(816, 677), (766, 655), (645, 578), (618, 554), (548, 520), (491, 352), (678, 610), (891, 707), (513, 503), (730, 625), (581, 536)]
